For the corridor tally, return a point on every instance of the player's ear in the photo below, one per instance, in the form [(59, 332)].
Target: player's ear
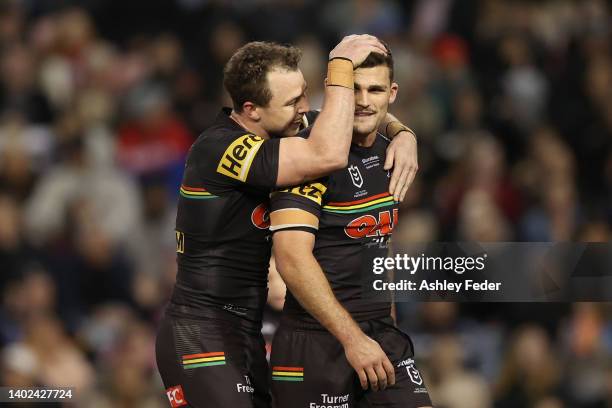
[(393, 92), (250, 110)]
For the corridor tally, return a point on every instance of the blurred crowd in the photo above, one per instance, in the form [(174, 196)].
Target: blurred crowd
[(100, 101)]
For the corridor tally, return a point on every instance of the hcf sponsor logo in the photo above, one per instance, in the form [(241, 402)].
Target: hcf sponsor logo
[(176, 397)]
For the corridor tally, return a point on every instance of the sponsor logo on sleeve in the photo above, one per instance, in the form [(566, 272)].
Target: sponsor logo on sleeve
[(238, 157), (312, 191), (176, 396)]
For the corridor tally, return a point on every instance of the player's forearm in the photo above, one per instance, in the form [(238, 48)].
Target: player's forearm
[(307, 282), (392, 126), (382, 128), (331, 134)]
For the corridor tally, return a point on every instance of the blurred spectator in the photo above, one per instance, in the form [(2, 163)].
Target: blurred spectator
[(549, 402), (19, 366), (376, 17), (153, 245), (18, 90), (467, 122), (22, 273), (129, 378), (452, 385), (588, 341), (108, 199), (59, 362), (14, 253), (524, 86), (530, 371), (154, 141), (480, 189), (25, 151)]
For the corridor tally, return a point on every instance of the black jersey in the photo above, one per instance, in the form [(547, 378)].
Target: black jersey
[(223, 245), (354, 208)]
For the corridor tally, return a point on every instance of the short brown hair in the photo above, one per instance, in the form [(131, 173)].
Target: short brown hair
[(244, 75), (375, 59)]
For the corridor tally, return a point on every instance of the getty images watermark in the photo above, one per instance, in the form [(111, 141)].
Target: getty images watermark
[(489, 272), (406, 264)]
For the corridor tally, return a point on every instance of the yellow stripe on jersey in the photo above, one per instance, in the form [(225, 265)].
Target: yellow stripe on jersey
[(292, 217), (353, 207)]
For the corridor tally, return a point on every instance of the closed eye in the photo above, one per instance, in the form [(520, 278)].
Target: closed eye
[(295, 100)]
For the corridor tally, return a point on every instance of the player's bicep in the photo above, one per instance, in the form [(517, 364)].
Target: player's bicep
[(300, 161), (292, 248), (297, 162), (289, 242)]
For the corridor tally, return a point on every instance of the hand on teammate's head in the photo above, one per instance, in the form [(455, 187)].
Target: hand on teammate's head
[(356, 48)]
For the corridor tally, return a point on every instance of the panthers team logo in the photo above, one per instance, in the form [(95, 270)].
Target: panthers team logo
[(355, 176), (260, 217)]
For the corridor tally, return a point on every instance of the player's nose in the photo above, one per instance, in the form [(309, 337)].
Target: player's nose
[(303, 105), (361, 98)]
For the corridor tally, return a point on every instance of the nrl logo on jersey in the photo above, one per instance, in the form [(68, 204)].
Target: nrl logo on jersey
[(355, 176), (413, 372)]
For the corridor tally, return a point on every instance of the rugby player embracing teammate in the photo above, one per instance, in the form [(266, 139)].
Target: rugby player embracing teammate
[(209, 348), (319, 232)]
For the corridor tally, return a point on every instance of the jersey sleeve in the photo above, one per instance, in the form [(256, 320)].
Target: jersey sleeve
[(245, 160), (298, 207)]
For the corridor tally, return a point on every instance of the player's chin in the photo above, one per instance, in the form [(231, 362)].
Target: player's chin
[(290, 131), (364, 128)]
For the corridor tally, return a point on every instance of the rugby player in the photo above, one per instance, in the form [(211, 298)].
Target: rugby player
[(209, 347), (319, 232)]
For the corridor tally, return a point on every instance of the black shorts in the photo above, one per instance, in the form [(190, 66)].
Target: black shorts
[(310, 370), (212, 363)]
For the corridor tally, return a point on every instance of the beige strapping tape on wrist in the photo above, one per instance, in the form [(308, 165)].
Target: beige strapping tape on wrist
[(340, 73)]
